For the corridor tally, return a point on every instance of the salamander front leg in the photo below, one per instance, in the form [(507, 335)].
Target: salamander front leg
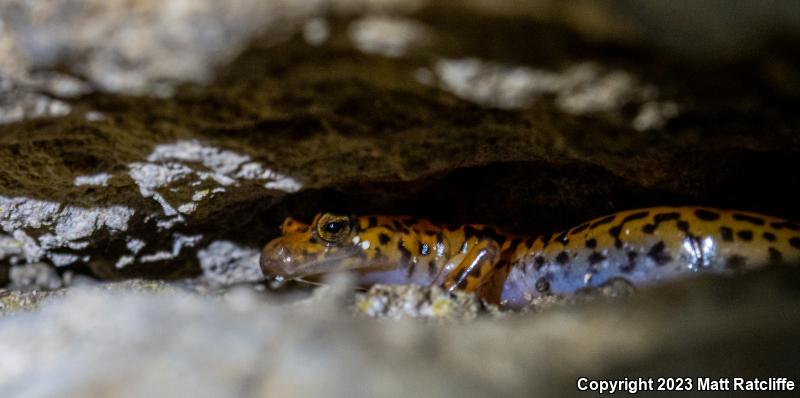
[(475, 268)]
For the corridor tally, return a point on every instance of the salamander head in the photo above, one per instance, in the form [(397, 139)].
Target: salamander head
[(331, 243)]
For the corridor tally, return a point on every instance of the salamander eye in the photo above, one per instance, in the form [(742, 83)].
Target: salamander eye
[(333, 228)]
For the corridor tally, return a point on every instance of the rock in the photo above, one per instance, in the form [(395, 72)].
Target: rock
[(411, 301), (154, 186), (34, 276), (149, 338), (136, 49)]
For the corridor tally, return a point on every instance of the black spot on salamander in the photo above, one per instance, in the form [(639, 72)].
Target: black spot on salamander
[(795, 242), (657, 253), (398, 226), (546, 239), (747, 218), (735, 262), (769, 236), (683, 226), (579, 229), (406, 231), (470, 231), (492, 233), (745, 235), (562, 238), (631, 262), (726, 233), (604, 220), (595, 258), (775, 256), (562, 258), (786, 224), (538, 262), (432, 268), (529, 242), (424, 249), (412, 268), (542, 285), (405, 254), (383, 238), (706, 215), (635, 216), (372, 221), (514, 243), (659, 218), (615, 231), (475, 271), (591, 243), (463, 247)]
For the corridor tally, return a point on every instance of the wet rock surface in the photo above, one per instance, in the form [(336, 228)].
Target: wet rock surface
[(178, 159)]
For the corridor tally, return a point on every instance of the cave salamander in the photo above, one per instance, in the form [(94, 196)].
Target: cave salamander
[(643, 247)]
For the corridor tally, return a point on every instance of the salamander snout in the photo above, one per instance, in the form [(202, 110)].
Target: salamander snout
[(276, 260), (324, 246)]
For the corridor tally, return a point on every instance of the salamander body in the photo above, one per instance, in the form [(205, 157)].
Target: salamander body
[(643, 246)]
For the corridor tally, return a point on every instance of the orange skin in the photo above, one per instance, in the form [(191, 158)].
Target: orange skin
[(644, 246)]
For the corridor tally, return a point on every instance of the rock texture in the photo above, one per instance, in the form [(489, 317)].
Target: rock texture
[(467, 132), (153, 340)]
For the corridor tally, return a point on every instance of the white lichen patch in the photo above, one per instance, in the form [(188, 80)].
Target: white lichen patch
[(582, 89), (96, 180), (124, 261), (150, 176), (34, 276), (386, 36), (135, 245), (654, 115), (196, 171), (94, 116), (179, 177), (316, 31), (63, 259), (179, 242), (169, 223), (60, 85), (10, 248), (227, 263), (222, 162), (187, 208), (68, 227), (31, 106), (19, 102), (492, 84)]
